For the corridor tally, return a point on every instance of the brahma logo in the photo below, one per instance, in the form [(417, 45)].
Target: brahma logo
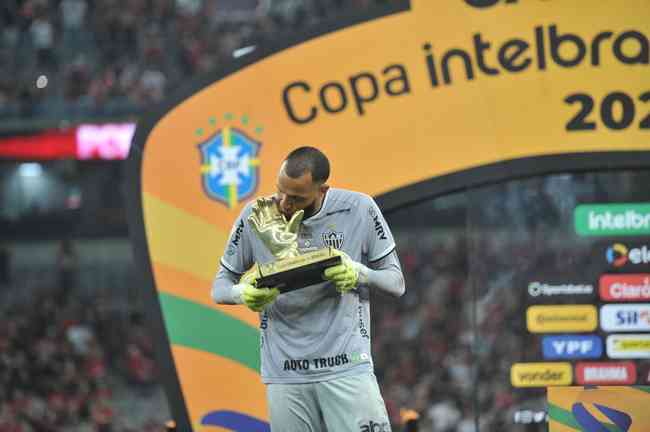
[(619, 255), (229, 163), (605, 373)]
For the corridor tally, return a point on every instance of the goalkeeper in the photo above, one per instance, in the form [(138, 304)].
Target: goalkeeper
[(315, 342)]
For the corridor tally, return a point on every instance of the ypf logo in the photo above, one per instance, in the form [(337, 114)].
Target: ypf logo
[(486, 3), (617, 254)]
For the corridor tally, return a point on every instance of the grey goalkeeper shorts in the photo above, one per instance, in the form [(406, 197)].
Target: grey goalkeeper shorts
[(347, 404)]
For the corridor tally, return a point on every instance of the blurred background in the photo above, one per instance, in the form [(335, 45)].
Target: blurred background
[(75, 353)]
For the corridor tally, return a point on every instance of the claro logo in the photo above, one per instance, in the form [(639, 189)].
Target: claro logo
[(625, 287)]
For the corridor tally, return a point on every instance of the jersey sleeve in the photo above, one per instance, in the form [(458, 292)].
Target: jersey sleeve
[(379, 237), (238, 254)]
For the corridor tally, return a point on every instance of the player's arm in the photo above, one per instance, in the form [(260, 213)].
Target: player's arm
[(384, 274), (235, 281)]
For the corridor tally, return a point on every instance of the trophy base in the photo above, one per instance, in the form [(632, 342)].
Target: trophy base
[(289, 274)]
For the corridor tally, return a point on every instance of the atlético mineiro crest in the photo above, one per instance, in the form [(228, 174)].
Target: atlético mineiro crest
[(333, 239), (229, 166)]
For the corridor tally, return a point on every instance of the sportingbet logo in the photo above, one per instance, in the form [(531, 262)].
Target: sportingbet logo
[(612, 219), (619, 255)]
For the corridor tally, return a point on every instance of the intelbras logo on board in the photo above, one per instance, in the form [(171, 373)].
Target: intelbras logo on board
[(612, 219), (619, 255), (542, 289), (561, 318)]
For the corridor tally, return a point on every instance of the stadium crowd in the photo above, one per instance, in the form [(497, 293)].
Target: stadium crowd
[(72, 59), (67, 360)]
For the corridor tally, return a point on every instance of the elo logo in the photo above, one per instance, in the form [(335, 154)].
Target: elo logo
[(486, 3), (617, 254), (572, 347)]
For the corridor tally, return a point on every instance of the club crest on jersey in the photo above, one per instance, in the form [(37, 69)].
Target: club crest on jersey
[(229, 166), (333, 239)]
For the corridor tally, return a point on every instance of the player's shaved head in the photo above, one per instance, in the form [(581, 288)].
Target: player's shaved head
[(307, 159)]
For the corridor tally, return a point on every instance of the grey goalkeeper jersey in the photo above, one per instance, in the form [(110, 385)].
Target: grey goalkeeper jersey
[(315, 333)]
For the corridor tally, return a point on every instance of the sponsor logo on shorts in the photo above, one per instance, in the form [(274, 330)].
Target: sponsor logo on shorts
[(561, 318), (625, 287), (541, 374)]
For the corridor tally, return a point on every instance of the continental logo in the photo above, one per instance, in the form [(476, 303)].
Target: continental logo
[(628, 346), (561, 318), (541, 374)]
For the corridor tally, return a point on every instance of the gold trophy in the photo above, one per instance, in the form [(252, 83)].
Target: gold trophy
[(290, 270)]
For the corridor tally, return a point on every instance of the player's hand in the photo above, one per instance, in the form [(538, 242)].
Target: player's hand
[(257, 298), (253, 297), (270, 225), (345, 275)]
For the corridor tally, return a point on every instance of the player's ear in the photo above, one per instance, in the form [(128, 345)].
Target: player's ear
[(323, 188)]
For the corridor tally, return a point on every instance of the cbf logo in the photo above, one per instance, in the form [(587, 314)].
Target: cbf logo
[(229, 162)]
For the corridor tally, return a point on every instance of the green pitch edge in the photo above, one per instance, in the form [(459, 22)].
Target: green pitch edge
[(196, 326)]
